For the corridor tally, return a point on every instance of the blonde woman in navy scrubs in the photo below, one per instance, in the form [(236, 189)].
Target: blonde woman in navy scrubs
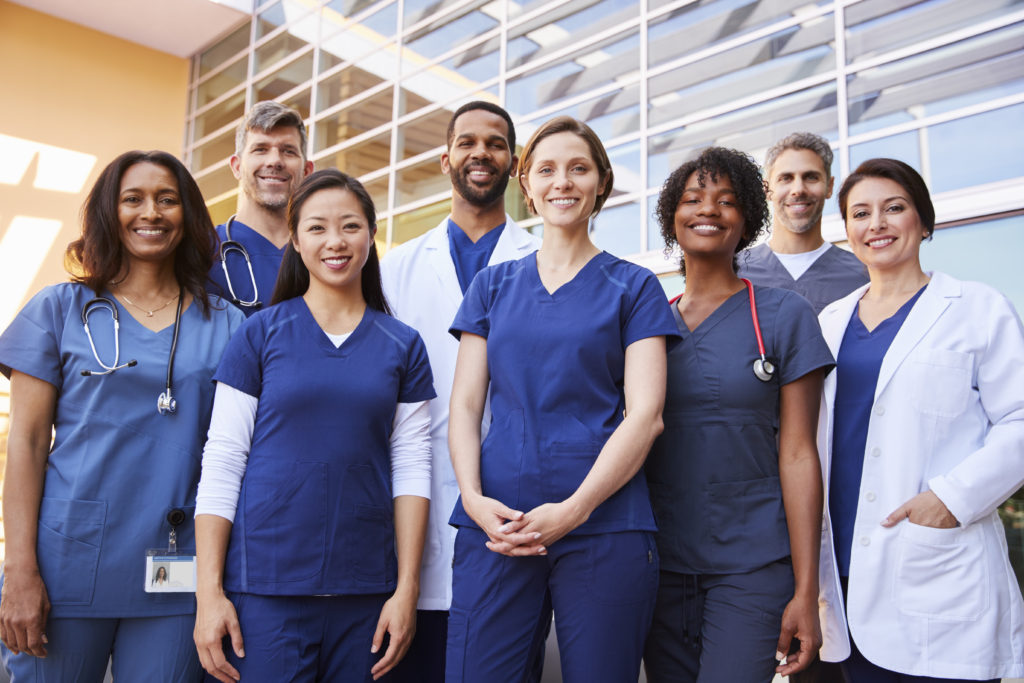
[(734, 479), (321, 418), (570, 342)]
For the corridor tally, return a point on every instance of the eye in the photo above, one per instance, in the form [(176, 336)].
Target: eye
[(859, 213), (895, 208), (352, 227), (543, 170), (314, 227), (579, 168), (727, 202), (130, 199), (169, 200)]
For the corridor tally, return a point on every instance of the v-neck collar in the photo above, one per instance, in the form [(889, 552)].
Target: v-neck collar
[(126, 315), (722, 312), (254, 235), (323, 341), (567, 289)]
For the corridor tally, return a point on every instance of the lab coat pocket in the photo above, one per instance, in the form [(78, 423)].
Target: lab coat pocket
[(941, 574), (941, 381), (285, 523), (70, 538), (566, 466)]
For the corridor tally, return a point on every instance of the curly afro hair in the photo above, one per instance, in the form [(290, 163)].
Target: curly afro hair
[(715, 162)]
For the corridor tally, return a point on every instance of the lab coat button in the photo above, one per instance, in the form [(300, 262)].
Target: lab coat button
[(865, 541), (875, 452), (870, 497), (879, 410)]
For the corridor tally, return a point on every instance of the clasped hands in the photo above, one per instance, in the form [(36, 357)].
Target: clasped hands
[(523, 534)]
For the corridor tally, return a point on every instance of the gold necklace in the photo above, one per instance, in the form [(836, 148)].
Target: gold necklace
[(148, 312)]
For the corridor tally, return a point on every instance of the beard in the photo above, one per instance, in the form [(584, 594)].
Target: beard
[(480, 196)]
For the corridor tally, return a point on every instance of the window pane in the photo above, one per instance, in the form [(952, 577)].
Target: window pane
[(414, 223), (447, 32), (423, 134), (222, 114), (299, 102), (354, 120), (356, 39), (978, 149), (781, 58), (617, 229), (225, 49), (566, 24), (592, 67), (216, 150), (906, 90), (905, 147), (217, 183), (417, 10), (626, 167), (277, 49), (378, 190), (229, 78), (348, 83), (365, 157), (612, 115), (286, 78), (279, 14), (421, 180)]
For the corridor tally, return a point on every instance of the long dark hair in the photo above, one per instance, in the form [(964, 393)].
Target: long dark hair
[(293, 277), (98, 257)]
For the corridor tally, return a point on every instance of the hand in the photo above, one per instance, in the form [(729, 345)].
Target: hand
[(216, 618), (24, 607), (924, 509), (800, 621), (501, 524), (547, 524), (398, 620)]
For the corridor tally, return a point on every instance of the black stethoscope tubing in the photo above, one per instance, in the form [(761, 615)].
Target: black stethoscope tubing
[(165, 403), (226, 247)]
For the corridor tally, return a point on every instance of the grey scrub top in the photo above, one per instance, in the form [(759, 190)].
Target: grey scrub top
[(835, 274)]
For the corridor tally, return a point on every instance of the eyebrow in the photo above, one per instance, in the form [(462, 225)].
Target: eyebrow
[(323, 218)]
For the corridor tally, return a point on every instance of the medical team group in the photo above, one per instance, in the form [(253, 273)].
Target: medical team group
[(256, 452)]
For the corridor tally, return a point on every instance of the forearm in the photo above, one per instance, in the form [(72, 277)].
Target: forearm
[(411, 514), (803, 500), (212, 535), (469, 392)]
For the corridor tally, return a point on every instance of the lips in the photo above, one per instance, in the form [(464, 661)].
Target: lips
[(564, 202), (480, 173), (881, 242), (706, 229), (336, 262), (149, 231)]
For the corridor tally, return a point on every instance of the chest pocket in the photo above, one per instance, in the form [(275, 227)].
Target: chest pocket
[(941, 381)]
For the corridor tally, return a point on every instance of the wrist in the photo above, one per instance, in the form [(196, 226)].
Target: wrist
[(20, 568)]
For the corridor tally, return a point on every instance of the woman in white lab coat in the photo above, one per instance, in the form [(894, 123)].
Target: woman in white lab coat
[(921, 438)]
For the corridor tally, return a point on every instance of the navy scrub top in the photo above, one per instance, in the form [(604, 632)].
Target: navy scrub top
[(315, 512), (266, 261), (117, 466), (714, 471), (556, 364)]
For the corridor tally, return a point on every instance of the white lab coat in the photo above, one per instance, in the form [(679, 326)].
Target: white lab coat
[(423, 291), (948, 415)]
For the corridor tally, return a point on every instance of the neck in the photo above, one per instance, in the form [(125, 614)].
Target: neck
[(336, 310), (477, 221), (710, 278), (270, 223), (784, 241), (895, 282), (147, 280), (566, 247)]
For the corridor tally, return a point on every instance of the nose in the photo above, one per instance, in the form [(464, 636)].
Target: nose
[(335, 238), (797, 187), (562, 179), (480, 151), (274, 157), (150, 208), (708, 207), (877, 221)]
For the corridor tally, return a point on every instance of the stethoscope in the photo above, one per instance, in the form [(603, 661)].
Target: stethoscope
[(226, 247), (165, 403), (764, 369)]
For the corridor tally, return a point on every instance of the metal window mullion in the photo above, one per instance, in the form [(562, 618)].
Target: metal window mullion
[(842, 100)]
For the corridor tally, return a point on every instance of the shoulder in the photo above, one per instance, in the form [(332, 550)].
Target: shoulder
[(221, 309), (623, 273), (393, 327), (786, 299), (976, 296)]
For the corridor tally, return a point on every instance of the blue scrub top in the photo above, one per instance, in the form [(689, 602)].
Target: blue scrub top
[(468, 256), (116, 467), (714, 471), (266, 261), (556, 363), (832, 276), (859, 362), (315, 513)]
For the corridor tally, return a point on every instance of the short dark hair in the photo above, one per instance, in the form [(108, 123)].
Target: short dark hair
[(293, 277), (715, 162), (98, 257), (485, 106), (903, 175), (567, 124)]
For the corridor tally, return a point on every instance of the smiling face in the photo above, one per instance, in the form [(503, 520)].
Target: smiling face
[(883, 227), (150, 212), (563, 181), (333, 238), (708, 221), (478, 159), (798, 186), (270, 167)]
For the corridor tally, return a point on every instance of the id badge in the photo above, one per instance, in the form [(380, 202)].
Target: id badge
[(170, 572)]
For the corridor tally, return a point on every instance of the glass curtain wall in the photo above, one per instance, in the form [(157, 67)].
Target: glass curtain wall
[(937, 83)]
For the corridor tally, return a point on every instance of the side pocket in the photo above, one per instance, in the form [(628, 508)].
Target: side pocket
[(941, 574), (68, 548)]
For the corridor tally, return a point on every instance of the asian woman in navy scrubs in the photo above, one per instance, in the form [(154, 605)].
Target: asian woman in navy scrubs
[(81, 513), (321, 420), (570, 345), (735, 481)]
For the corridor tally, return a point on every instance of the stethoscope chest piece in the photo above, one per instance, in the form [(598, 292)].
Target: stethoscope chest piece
[(165, 403), (764, 370)]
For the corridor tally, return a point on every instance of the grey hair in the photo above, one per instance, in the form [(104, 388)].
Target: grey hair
[(815, 143), (264, 117)]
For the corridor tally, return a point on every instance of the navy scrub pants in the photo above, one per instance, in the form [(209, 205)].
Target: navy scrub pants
[(601, 587), (718, 628)]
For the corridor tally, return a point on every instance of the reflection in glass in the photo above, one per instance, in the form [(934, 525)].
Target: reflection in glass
[(299, 102), (407, 226), (286, 78), (447, 32), (279, 14), (378, 189), (424, 134), (357, 39), (611, 115), (976, 150), (626, 166), (223, 209), (350, 82), (617, 229), (281, 46), (905, 147), (362, 158), (231, 77), (566, 24), (420, 180), (417, 10), (354, 120), (225, 49), (220, 115), (216, 150), (217, 182)]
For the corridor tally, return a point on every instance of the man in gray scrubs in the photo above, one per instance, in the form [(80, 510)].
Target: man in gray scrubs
[(799, 180)]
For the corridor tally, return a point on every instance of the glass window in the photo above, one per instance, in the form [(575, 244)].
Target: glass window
[(975, 150), (906, 147), (407, 226), (378, 189), (355, 119), (771, 62), (349, 41), (348, 8), (223, 209), (626, 167), (285, 79), (279, 14), (424, 134), (476, 64), (617, 229), (988, 252), (354, 79), (231, 77), (445, 33), (655, 242), (362, 158), (566, 24), (750, 129), (299, 102), (417, 10), (277, 48), (217, 182), (611, 115), (432, 86), (592, 67), (420, 180), (227, 48), (220, 115), (216, 150), (907, 89)]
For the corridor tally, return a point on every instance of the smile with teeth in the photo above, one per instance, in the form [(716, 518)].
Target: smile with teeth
[(563, 201), (880, 242), (337, 261), (149, 232), (706, 228)]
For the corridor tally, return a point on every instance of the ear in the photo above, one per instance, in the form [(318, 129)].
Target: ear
[(307, 168), (831, 184), (768, 190), (445, 163), (236, 166), (515, 167)]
